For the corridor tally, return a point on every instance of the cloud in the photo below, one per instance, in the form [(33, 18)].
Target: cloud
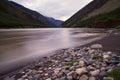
[(59, 9)]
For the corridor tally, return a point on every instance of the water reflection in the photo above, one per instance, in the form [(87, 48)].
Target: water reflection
[(19, 46)]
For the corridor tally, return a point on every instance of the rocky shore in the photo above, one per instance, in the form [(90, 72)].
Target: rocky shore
[(87, 63)]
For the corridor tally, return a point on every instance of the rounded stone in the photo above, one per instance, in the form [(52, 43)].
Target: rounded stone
[(81, 63), (80, 71), (95, 72), (92, 78), (84, 77), (96, 46)]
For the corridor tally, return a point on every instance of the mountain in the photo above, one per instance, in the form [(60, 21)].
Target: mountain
[(13, 15), (55, 21), (97, 14)]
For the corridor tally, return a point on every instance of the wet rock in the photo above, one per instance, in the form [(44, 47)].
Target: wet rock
[(81, 71), (96, 46), (94, 73), (84, 77), (85, 68)]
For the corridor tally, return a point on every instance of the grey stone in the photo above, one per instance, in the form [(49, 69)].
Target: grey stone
[(92, 78), (68, 59), (95, 72), (84, 77), (108, 78), (102, 75), (96, 46), (81, 71)]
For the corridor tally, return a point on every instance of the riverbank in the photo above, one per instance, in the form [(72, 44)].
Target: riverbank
[(75, 63), (109, 43)]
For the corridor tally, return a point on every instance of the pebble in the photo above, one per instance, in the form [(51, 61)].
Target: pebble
[(81, 71), (84, 67), (106, 56), (95, 72), (92, 78), (108, 78), (84, 77), (96, 46), (81, 63), (48, 79)]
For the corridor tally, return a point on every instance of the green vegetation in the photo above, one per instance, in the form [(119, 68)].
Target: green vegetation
[(13, 17), (95, 57), (8, 21), (115, 73), (117, 27), (114, 15), (70, 63)]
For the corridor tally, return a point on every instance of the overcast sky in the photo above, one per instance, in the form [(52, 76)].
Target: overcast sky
[(58, 9)]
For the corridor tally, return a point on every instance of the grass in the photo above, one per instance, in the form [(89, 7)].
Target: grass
[(95, 57), (117, 27), (9, 21), (113, 15), (70, 63), (115, 73)]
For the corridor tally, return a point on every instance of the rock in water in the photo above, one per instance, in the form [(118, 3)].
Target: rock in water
[(96, 46)]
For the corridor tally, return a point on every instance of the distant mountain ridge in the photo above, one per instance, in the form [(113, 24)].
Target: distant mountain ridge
[(14, 15), (34, 14), (97, 14), (55, 21)]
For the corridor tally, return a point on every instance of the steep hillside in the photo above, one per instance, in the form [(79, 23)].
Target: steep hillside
[(12, 16), (47, 20), (33, 14), (97, 14)]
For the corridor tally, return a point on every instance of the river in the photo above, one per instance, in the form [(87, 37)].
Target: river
[(20, 46)]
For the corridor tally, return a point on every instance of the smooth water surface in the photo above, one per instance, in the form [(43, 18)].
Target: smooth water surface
[(18, 46)]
